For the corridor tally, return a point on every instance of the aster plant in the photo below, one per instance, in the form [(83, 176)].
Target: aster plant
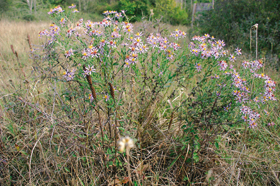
[(149, 85)]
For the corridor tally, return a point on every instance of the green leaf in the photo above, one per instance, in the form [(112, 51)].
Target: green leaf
[(217, 145), (171, 165), (195, 157), (67, 170)]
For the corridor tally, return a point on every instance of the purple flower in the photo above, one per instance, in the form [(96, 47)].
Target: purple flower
[(126, 65), (252, 124), (223, 65), (68, 53), (198, 67), (56, 9), (84, 55), (232, 58), (72, 6), (74, 11), (118, 15), (62, 21), (195, 51), (88, 70), (69, 75), (227, 107), (106, 97), (238, 51), (91, 97), (51, 11), (70, 32), (93, 52), (77, 34), (215, 77)]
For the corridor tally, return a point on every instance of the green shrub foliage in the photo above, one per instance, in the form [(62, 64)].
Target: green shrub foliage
[(232, 20)]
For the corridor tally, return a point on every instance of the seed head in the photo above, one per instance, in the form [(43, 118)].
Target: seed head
[(125, 143), (112, 90)]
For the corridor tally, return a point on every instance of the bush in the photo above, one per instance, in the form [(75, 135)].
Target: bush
[(29, 17), (107, 81), (171, 12)]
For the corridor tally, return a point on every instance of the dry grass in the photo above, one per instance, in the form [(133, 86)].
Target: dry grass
[(15, 33)]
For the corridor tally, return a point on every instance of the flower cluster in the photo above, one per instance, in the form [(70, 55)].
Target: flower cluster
[(223, 65), (207, 47), (135, 48), (88, 70), (178, 34), (269, 88), (269, 83), (271, 124), (57, 9), (253, 66), (100, 41), (72, 6), (127, 27), (68, 53), (51, 34), (90, 52), (69, 74), (163, 44), (249, 116)]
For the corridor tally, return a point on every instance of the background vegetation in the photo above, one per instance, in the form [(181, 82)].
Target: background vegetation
[(231, 20)]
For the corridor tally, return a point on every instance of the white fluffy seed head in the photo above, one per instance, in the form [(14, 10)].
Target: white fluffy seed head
[(125, 143)]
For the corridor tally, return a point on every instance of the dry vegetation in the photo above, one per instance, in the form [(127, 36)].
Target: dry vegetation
[(244, 157)]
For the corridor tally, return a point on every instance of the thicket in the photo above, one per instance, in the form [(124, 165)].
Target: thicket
[(232, 20)]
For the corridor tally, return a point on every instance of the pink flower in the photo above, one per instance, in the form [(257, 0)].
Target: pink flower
[(271, 124)]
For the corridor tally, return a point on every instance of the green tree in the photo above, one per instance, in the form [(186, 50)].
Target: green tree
[(5, 5)]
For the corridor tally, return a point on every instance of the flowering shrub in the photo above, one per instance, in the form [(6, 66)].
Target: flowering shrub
[(146, 85)]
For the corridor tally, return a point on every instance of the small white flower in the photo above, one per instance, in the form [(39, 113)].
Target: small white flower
[(125, 143)]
